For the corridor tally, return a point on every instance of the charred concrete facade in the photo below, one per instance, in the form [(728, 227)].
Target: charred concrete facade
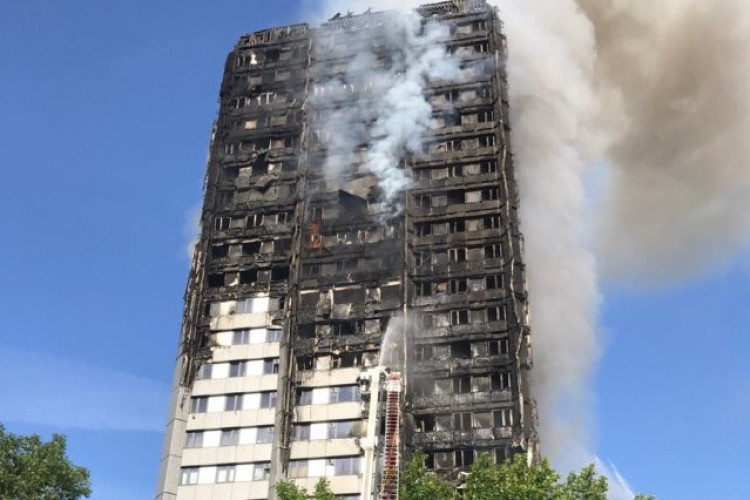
[(298, 275)]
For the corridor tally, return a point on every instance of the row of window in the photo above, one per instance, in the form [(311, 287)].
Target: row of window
[(464, 384), (454, 118), (464, 421), (269, 56), (453, 171), (251, 221), (249, 368), (229, 437), (443, 319), (328, 395), (462, 349), (454, 226), (261, 122), (248, 337), (460, 95), (250, 305), (258, 169), (225, 473), (483, 141), (233, 402), (341, 328), (250, 276), (458, 254), (344, 466), (328, 430), (247, 146), (262, 99), (456, 197), (463, 458), (251, 248), (458, 285)]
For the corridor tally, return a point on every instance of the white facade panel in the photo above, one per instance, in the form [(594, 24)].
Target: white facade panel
[(207, 475), (321, 396), (216, 403), (248, 435)]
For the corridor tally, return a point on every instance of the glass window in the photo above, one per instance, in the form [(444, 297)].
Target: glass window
[(302, 432), (268, 399), (261, 471), (199, 405), (189, 475), (230, 437), (194, 440), (304, 397), (237, 369), (233, 402), (341, 430), (241, 337), (346, 466), (264, 434), (297, 468), (225, 473)]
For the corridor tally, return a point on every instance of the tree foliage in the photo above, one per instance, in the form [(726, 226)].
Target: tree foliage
[(31, 469), (418, 483), (512, 480), (287, 490)]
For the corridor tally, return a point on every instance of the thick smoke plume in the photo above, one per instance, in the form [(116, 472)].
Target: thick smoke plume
[(677, 197), (392, 101)]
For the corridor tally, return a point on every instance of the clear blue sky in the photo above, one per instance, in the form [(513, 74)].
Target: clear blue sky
[(106, 109)]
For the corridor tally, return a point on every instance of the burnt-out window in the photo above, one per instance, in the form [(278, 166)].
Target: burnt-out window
[(462, 384), (422, 352), (423, 289), (421, 258), (464, 458), (502, 418), (491, 222), (248, 276), (280, 273), (458, 285), (488, 167), (423, 229), (460, 317), (219, 251), (494, 281), (222, 223), (500, 381), (215, 280), (461, 350), (457, 254), (346, 266), (456, 197), (251, 248), (503, 346), (491, 194), (424, 423), (494, 251), (306, 332), (462, 421), (495, 313), (457, 226), (422, 200), (311, 270)]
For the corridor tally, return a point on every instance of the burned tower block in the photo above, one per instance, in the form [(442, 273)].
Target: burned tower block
[(357, 292)]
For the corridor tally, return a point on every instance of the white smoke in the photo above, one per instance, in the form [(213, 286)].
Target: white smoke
[(391, 99)]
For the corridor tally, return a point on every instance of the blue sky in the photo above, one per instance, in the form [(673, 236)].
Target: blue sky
[(106, 109)]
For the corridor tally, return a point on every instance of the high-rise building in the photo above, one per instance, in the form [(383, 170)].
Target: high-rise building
[(357, 291)]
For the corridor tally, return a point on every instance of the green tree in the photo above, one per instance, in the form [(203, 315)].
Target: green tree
[(287, 490), (418, 483), (512, 480), (31, 469)]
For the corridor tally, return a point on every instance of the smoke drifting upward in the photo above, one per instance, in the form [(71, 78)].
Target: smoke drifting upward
[(677, 199), (552, 106), (393, 100)]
